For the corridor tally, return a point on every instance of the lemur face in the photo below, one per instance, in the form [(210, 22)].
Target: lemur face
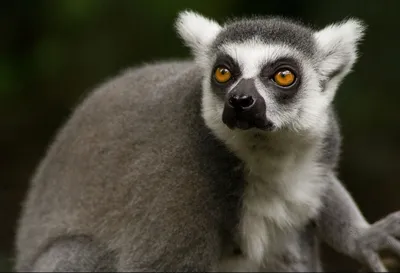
[(261, 85), (269, 74)]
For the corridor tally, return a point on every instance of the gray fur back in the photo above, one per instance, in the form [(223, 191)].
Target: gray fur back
[(135, 168)]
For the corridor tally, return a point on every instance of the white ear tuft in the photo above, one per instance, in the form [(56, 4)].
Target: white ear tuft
[(197, 31), (337, 44)]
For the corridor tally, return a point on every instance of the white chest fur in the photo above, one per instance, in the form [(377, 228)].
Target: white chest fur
[(283, 192), (278, 200)]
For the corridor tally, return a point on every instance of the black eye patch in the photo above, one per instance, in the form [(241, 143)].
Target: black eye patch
[(270, 68), (282, 94), (226, 61)]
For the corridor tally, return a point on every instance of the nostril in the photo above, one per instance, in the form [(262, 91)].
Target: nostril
[(246, 101), (241, 101)]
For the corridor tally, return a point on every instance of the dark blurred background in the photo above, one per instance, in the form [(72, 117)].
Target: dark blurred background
[(51, 52)]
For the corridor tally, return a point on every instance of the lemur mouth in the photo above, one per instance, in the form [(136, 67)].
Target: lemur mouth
[(245, 125), (245, 120)]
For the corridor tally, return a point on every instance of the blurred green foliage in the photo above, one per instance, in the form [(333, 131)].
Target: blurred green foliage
[(52, 52)]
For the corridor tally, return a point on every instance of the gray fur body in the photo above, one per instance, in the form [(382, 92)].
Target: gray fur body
[(137, 180), (181, 208)]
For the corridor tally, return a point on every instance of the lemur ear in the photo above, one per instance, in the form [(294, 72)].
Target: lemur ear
[(197, 31), (337, 44)]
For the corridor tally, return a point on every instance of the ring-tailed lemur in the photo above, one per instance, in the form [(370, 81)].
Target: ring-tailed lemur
[(224, 163)]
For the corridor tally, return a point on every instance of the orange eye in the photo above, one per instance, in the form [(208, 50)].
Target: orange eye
[(222, 74), (284, 77)]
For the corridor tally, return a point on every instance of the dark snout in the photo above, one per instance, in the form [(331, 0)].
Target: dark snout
[(245, 108)]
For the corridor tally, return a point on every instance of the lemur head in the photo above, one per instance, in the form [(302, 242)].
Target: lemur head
[(270, 73)]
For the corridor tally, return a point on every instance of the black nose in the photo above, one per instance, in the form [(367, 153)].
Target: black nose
[(241, 102)]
